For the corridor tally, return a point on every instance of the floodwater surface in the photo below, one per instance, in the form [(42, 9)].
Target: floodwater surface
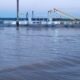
[(32, 53)]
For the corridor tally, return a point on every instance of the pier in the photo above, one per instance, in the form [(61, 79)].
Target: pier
[(37, 21), (70, 20)]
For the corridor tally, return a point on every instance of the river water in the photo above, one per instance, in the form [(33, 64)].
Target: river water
[(32, 53)]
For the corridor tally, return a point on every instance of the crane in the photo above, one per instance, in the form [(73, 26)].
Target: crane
[(62, 13), (66, 14)]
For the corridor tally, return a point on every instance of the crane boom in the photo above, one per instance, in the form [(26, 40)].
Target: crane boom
[(61, 12), (66, 14)]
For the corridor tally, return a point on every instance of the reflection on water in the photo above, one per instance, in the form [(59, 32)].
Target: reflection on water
[(32, 53)]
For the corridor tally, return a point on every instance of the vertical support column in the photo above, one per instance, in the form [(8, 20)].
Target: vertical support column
[(32, 17), (27, 18), (32, 14), (17, 21)]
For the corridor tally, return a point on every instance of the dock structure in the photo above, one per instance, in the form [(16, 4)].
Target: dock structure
[(41, 20), (49, 20), (38, 21)]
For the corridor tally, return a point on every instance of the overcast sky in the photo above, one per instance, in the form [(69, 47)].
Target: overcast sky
[(9, 6)]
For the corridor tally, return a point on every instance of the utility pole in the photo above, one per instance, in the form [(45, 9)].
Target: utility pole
[(17, 21)]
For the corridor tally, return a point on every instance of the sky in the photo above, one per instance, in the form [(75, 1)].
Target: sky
[(8, 7)]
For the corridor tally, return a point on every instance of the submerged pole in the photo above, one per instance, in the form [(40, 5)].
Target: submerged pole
[(17, 21)]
